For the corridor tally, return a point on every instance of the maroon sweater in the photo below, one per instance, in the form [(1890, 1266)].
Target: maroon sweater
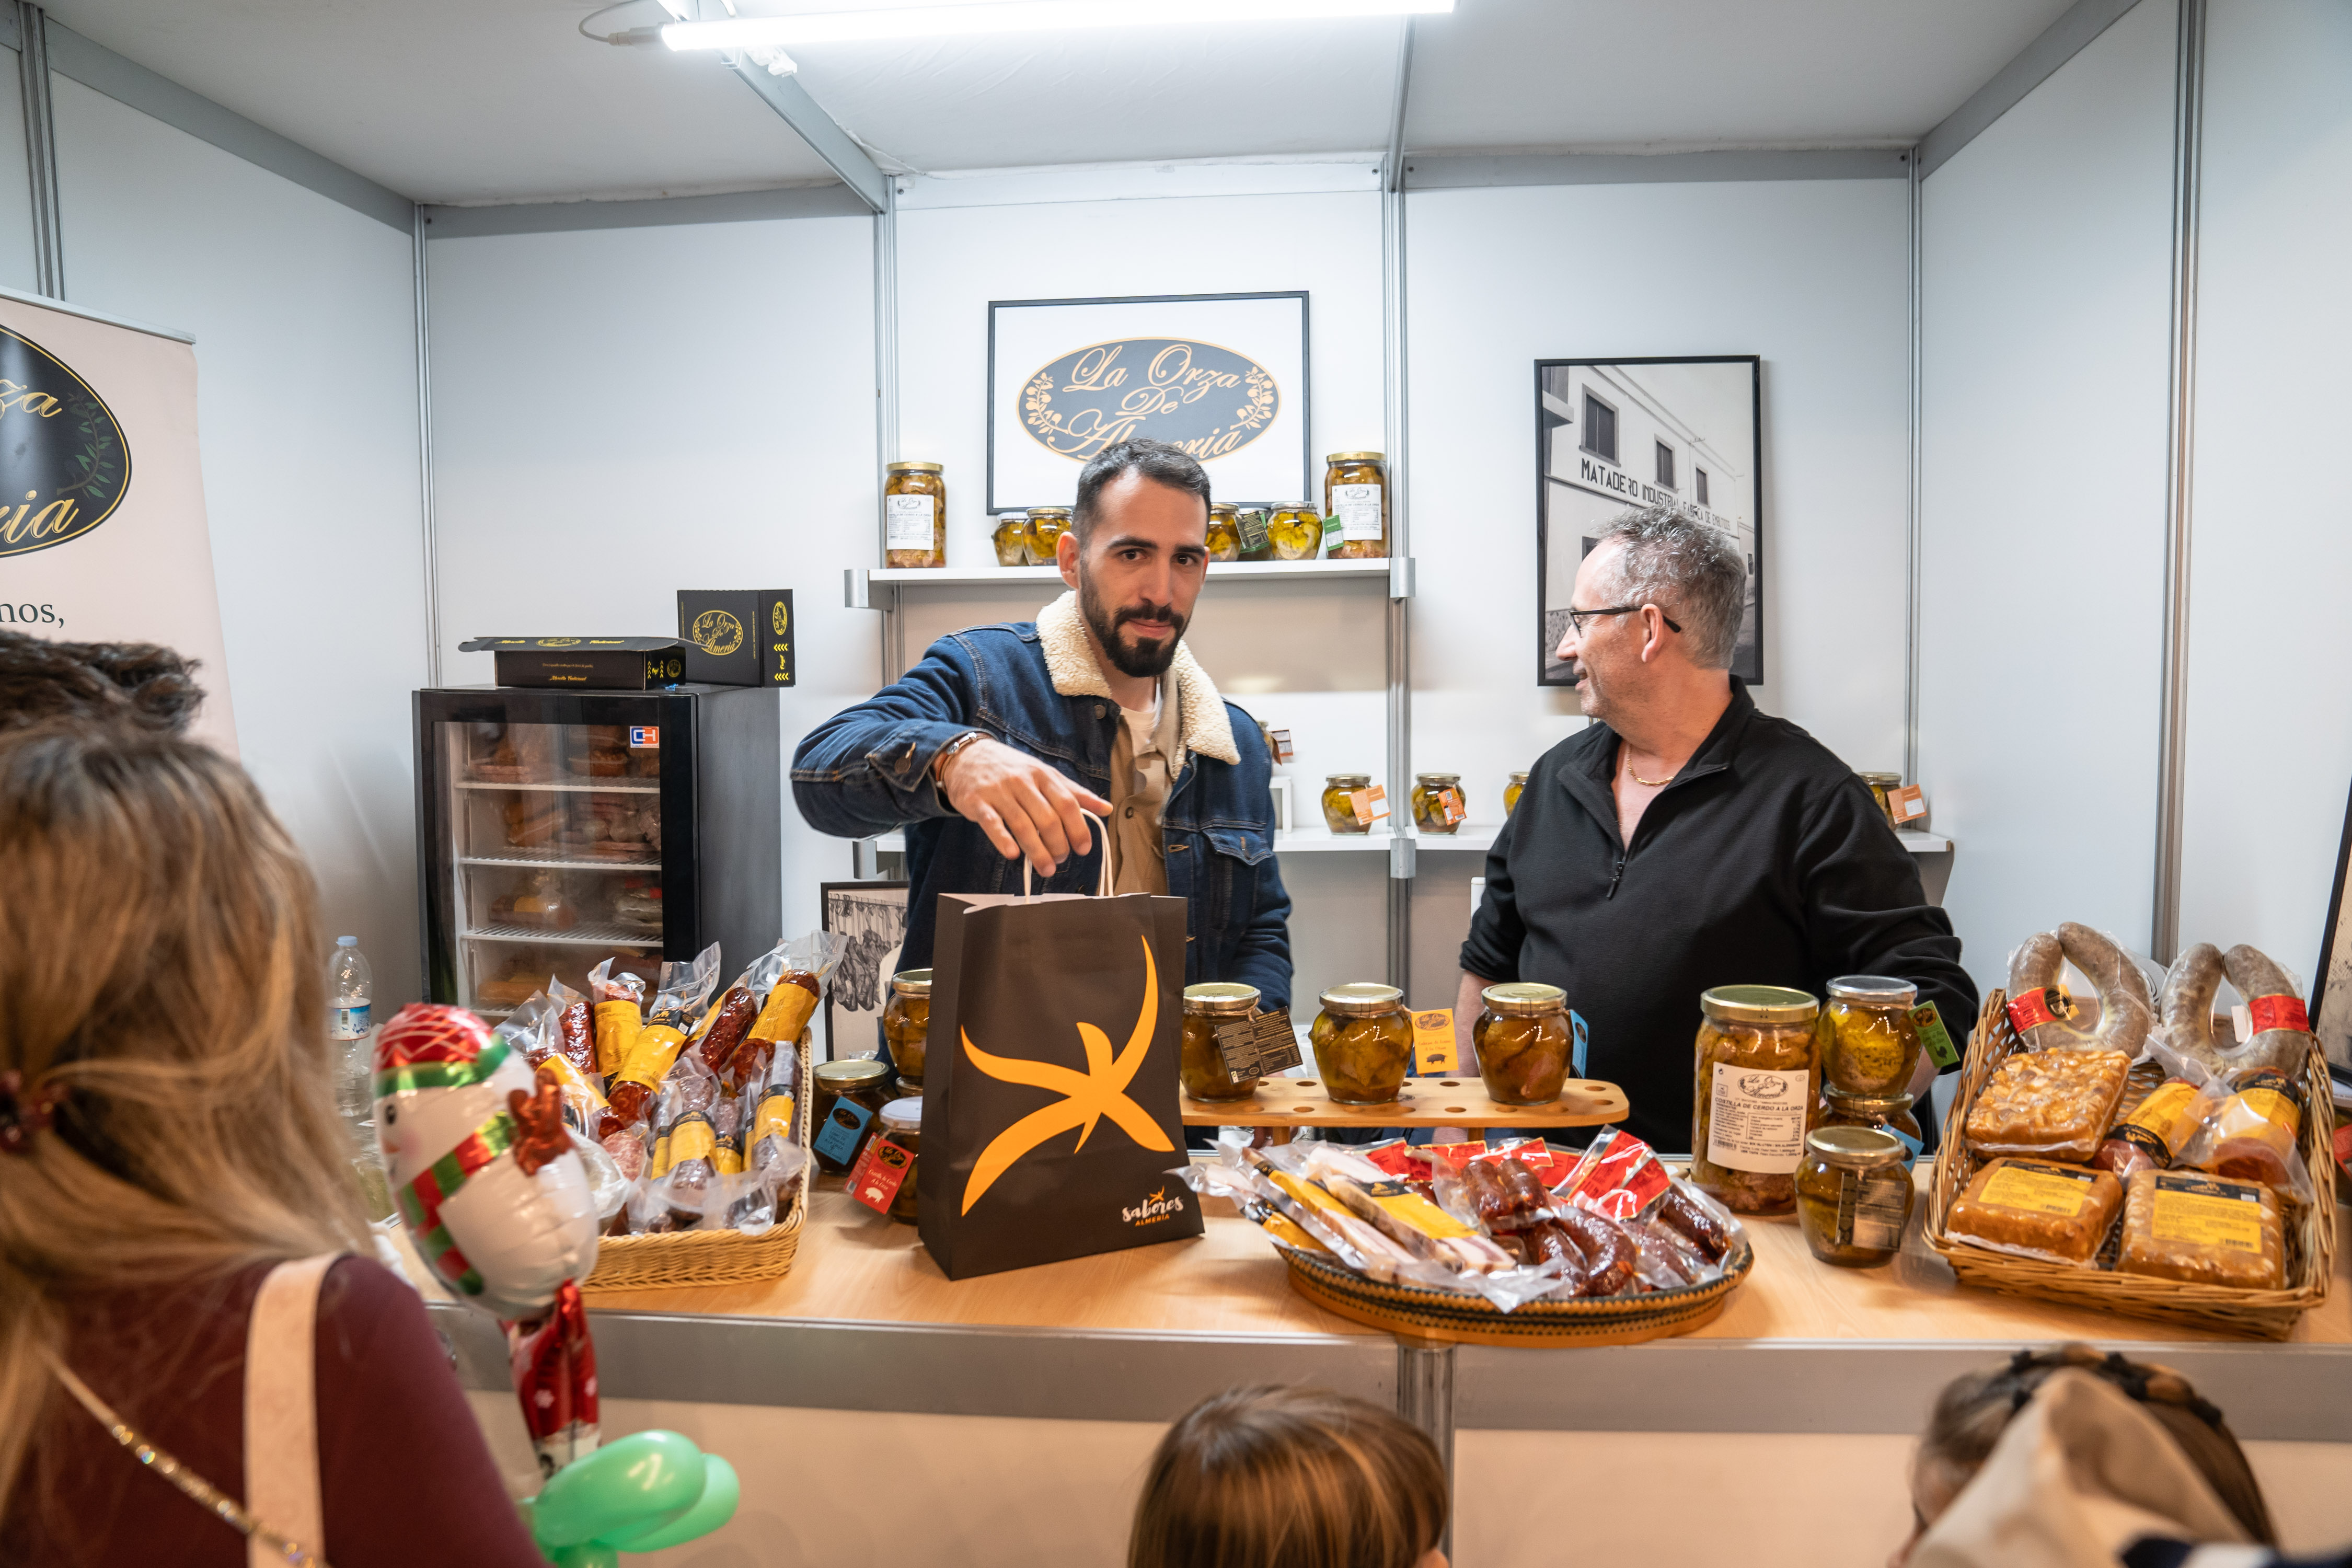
[(404, 1474)]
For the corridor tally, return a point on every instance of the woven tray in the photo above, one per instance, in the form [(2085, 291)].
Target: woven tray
[(2264, 1314), (1443, 1316), (711, 1257)]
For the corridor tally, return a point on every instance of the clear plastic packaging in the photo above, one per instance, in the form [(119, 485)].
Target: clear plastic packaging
[(2055, 1103), (2034, 1208), (2045, 1018), (2182, 1224), (684, 996)]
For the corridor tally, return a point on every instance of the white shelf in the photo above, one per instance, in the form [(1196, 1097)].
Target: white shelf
[(557, 861), (1470, 839), (588, 935), (566, 788), (1305, 841), (966, 577), (1923, 843)]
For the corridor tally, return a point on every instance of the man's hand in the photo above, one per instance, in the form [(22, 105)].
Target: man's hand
[(1024, 806), (1468, 1003)]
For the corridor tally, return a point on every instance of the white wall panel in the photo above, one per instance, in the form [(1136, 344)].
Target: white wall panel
[(2045, 295), (2269, 749), (303, 316)]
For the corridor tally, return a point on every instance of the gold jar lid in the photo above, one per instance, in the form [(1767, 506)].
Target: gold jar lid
[(912, 983), (843, 1077), (1036, 511), (1291, 506), (1221, 509), (916, 468), (1874, 990), (1524, 996), (1437, 778), (1006, 517), (904, 1115), (1347, 781), (1886, 1107), (1362, 999), (1355, 457), (1220, 998), (1855, 1148), (1522, 777), (1885, 780), (1759, 1005)]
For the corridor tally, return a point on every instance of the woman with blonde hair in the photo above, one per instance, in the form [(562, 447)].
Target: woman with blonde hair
[(199, 1362)]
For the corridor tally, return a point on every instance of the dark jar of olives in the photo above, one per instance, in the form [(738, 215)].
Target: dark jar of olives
[(862, 1082), (901, 1123), (906, 1024), (1202, 1067), (1363, 1043), (1854, 1196), (1524, 1043)]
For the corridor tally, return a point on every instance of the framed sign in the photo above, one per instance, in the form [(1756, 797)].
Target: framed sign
[(1616, 434), (2331, 987), (873, 916), (1222, 375)]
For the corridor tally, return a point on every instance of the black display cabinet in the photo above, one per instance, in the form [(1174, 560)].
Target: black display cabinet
[(558, 828)]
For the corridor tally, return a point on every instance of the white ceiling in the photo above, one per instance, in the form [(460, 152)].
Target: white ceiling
[(471, 100)]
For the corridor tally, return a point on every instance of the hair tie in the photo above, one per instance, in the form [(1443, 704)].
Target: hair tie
[(23, 1114)]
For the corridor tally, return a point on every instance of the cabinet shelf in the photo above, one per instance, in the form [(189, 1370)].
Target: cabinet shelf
[(1470, 839), (566, 787), (586, 935), (966, 577), (557, 861)]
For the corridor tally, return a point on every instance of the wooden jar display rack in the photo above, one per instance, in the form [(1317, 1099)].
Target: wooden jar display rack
[(1421, 1102)]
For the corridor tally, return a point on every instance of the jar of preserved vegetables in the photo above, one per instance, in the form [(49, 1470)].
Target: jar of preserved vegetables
[(1524, 1043), (915, 515), (1511, 794), (1202, 1065), (1437, 802), (1249, 522), (1356, 491), (906, 1025), (1224, 534), (1012, 539), (902, 1123), (1363, 1043), (1759, 1079), (862, 1081), (1295, 532), (1853, 1195), (1881, 786), (1879, 1112), (1046, 526), (1338, 809), (1874, 1047)]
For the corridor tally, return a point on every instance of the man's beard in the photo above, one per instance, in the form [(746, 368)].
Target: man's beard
[(1144, 660), (1588, 696)]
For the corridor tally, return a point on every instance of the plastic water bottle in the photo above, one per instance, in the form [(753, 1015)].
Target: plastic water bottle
[(350, 991)]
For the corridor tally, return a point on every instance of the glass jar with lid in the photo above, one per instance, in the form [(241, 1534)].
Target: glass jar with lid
[(1201, 1066), (1249, 523), (1363, 1043), (1011, 537), (1356, 491), (1759, 1079), (1437, 803), (1225, 533), (1880, 1112), (1295, 532), (1853, 1195), (861, 1081), (1871, 1047), (1339, 807), (1511, 792), (1882, 786), (906, 1025), (1046, 526), (902, 1124), (1524, 1042), (915, 515)]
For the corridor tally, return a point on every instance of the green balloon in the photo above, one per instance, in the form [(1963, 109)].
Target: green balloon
[(586, 1554), (720, 1490), (631, 1484)]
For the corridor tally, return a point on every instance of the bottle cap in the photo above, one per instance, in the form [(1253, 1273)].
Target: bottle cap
[(347, 942)]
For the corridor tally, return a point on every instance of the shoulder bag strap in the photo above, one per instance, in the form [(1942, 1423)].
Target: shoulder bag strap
[(282, 1409)]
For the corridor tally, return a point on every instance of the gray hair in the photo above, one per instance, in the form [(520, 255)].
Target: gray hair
[(1675, 558)]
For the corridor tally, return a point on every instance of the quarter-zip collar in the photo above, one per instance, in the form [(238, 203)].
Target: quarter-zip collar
[(1589, 782)]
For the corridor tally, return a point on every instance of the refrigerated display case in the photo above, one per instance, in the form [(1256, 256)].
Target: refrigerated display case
[(558, 828)]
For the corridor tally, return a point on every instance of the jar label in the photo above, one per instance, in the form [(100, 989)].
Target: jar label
[(1251, 525), (2280, 1012), (1906, 804), (1434, 1046), (1357, 508), (1364, 800), (2029, 1010), (881, 1172), (844, 1124), (1870, 1211), (2193, 1211), (1259, 1046), (1933, 1035), (908, 521), (1757, 1124)]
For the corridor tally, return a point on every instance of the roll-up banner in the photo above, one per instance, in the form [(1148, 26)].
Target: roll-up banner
[(102, 531)]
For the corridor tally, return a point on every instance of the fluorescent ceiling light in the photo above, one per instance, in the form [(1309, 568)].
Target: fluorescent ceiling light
[(1017, 17)]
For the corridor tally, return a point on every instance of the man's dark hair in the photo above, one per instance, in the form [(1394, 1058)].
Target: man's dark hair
[(1155, 460), (139, 684)]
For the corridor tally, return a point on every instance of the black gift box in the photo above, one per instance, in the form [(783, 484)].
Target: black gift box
[(738, 637), (603, 664)]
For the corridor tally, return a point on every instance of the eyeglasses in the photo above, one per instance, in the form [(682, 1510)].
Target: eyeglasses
[(1577, 618)]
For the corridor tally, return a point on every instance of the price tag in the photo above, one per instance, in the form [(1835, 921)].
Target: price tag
[(1364, 800), (844, 1124), (1434, 1046), (1260, 1046), (1906, 804), (878, 1174), (1279, 740), (1933, 1035), (1331, 533), (1250, 523)]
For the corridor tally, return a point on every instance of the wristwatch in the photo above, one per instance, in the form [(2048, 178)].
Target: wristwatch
[(949, 750)]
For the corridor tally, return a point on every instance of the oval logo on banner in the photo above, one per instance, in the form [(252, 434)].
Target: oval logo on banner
[(1208, 400), (64, 465)]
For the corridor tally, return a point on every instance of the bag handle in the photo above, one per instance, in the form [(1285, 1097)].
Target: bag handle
[(1102, 844)]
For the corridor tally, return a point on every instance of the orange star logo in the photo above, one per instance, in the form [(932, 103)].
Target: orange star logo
[(1087, 1096)]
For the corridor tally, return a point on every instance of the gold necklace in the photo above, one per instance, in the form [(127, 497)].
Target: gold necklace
[(1626, 758)]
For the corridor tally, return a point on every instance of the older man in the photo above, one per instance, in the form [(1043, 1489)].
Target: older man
[(1683, 840)]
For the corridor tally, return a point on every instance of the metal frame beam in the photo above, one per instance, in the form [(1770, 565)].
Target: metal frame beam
[(2035, 64), (1396, 438), (2187, 162), (826, 139), (40, 149)]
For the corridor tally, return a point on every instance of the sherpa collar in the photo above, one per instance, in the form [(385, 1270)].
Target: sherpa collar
[(1070, 660)]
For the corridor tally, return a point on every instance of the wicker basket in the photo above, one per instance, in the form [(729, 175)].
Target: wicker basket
[(2265, 1314), (711, 1257)]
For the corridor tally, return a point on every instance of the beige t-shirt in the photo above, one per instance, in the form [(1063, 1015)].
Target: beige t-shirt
[(1143, 758)]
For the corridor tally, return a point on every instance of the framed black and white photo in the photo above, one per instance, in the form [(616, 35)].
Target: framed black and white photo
[(1618, 433), (1222, 375), (2331, 988), (873, 916)]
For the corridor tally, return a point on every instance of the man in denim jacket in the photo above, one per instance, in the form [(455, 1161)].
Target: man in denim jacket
[(991, 748)]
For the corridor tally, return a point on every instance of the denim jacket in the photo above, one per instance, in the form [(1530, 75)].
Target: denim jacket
[(1035, 686)]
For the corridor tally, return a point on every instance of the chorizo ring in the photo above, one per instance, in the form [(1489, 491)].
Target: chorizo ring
[(2189, 991), (1608, 1251), (2287, 1042), (1698, 1227), (2125, 1013)]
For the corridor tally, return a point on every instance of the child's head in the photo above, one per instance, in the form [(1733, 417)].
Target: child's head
[(1974, 1410), (1290, 1478)]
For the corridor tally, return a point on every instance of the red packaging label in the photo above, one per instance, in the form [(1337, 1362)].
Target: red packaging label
[(1455, 1155), (1617, 1178), (2280, 1012), (1531, 1152), (1396, 1158), (2030, 1009), (881, 1171)]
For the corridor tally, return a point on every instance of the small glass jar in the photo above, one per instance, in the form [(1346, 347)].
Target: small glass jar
[(858, 1079), (1012, 539), (1755, 1094), (1881, 786), (906, 1025), (1363, 1043), (1872, 1046), (1879, 1112), (902, 1123), (1295, 532), (1356, 491), (1202, 1065), (1524, 1043), (1854, 1196), (1511, 794), (1224, 534), (1339, 811), (1249, 523), (1046, 526), (1437, 803), (915, 515)]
